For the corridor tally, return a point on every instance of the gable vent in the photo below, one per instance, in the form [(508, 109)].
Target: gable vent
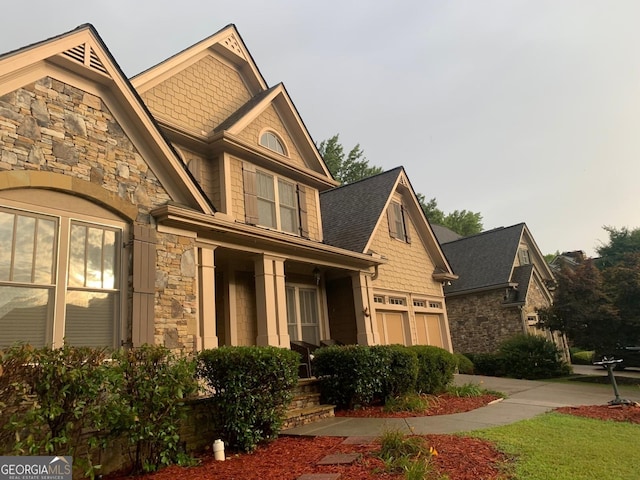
[(79, 54), (232, 44)]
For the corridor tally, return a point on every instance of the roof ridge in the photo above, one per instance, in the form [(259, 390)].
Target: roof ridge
[(362, 179), (492, 230)]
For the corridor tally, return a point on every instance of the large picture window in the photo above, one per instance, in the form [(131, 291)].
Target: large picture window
[(59, 280)]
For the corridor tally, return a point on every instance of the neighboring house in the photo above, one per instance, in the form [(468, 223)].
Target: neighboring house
[(567, 260), (381, 215), (503, 280), (180, 208)]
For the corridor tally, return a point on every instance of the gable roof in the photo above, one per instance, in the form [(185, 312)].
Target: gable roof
[(351, 214), (228, 44), (81, 57), (487, 260), (444, 234), (483, 260)]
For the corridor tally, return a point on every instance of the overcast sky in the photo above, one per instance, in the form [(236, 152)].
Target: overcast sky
[(525, 111)]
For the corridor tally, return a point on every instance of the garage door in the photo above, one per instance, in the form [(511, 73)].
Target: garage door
[(428, 329), (391, 328)]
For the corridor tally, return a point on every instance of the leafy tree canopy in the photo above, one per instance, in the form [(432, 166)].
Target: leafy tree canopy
[(462, 222), (354, 166), (347, 169), (622, 242), (597, 303)]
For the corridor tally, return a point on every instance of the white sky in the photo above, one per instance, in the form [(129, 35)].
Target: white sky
[(526, 111)]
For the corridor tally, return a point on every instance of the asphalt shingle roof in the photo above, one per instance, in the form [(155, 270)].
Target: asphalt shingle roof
[(444, 234), (351, 212), (483, 260)]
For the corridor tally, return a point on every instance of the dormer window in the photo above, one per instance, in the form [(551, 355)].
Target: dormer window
[(272, 142)]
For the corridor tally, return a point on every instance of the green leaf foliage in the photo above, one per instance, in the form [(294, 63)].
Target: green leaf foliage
[(531, 357), (347, 169), (463, 222), (436, 367), (251, 388), (150, 385), (49, 398)]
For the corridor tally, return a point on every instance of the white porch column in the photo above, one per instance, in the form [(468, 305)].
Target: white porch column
[(271, 302), (207, 292), (365, 313)]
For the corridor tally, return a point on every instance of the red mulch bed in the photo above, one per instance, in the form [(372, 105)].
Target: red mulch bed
[(287, 458), (617, 413), (444, 404)]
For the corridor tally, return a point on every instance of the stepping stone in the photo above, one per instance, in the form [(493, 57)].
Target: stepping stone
[(319, 476), (358, 440), (339, 459)]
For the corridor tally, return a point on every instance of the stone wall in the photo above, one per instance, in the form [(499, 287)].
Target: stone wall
[(479, 322), (64, 132)]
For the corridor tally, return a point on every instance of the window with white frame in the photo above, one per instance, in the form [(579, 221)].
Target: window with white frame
[(277, 203), (378, 299), (419, 303), (303, 313), (59, 280), (272, 142)]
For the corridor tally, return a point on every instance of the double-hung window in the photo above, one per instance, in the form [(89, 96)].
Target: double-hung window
[(277, 202), (59, 280)]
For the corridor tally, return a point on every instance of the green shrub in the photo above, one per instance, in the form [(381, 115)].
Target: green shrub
[(353, 375), (401, 370), (465, 365), (150, 385), (436, 367), (582, 357), (252, 388), (489, 364), (49, 398), (531, 357)]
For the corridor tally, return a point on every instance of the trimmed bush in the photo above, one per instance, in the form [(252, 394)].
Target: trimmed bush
[(401, 372), (465, 365), (489, 364), (436, 367), (252, 388), (150, 385), (353, 375), (531, 357)]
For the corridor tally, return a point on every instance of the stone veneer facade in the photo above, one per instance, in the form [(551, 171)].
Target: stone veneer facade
[(62, 138), (479, 322)]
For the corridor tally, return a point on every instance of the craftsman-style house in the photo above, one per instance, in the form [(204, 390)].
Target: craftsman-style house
[(504, 279), (182, 207), (381, 215)]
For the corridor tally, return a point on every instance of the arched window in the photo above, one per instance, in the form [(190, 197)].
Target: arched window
[(272, 142)]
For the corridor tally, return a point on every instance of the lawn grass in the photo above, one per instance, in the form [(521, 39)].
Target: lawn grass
[(565, 447)]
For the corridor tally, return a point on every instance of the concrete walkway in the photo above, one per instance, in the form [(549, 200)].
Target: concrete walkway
[(526, 399)]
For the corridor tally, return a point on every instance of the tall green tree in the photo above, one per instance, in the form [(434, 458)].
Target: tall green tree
[(622, 242), (463, 222), (597, 303), (354, 166), (582, 309), (346, 169)]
